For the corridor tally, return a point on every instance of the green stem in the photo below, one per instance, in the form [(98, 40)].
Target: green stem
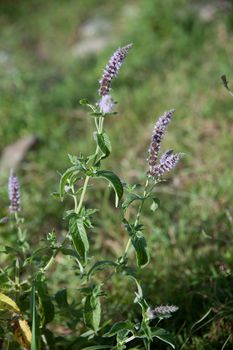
[(19, 230), (17, 281), (75, 198), (145, 193), (127, 246), (82, 194), (99, 122), (142, 202)]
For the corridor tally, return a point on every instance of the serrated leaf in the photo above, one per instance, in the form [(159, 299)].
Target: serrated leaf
[(163, 335), (8, 304), (79, 237), (92, 310), (119, 326), (46, 305), (65, 177), (104, 144), (114, 181), (140, 246)]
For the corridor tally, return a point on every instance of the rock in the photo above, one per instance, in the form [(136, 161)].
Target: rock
[(207, 13), (4, 57), (94, 36), (87, 47), (15, 153)]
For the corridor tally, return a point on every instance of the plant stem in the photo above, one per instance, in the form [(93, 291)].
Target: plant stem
[(142, 202), (19, 230), (145, 193), (82, 195), (17, 281)]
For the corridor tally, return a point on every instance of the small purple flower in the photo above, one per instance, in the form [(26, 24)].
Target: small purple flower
[(106, 104), (112, 69), (14, 193)]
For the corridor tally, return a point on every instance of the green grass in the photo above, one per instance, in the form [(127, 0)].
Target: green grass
[(176, 62)]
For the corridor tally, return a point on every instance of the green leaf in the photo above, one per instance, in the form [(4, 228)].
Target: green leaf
[(61, 298), (7, 303), (69, 251), (114, 181), (79, 237), (65, 177), (140, 246), (119, 326), (35, 345), (104, 144), (46, 305), (9, 250), (129, 228), (155, 204), (100, 265), (163, 335), (92, 309), (83, 102), (56, 195)]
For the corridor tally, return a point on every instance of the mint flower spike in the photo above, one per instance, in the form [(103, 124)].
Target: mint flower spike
[(112, 69), (157, 136), (161, 311), (106, 103), (167, 162), (14, 193)]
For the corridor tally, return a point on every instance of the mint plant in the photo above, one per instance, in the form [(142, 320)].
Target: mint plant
[(27, 307)]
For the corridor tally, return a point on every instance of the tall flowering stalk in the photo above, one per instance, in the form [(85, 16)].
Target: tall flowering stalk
[(14, 193), (74, 183), (111, 71)]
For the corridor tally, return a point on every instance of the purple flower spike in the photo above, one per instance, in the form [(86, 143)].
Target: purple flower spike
[(157, 136), (158, 167), (14, 193), (167, 162), (112, 69)]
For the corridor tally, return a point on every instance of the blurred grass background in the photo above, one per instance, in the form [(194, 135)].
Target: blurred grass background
[(52, 54)]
